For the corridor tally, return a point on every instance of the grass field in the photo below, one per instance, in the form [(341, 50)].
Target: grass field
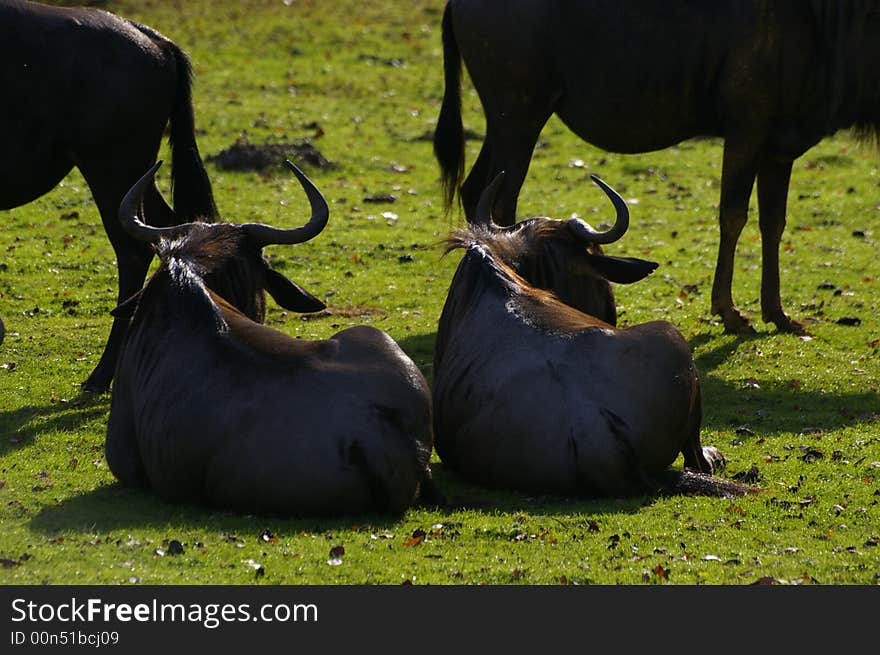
[(362, 83)]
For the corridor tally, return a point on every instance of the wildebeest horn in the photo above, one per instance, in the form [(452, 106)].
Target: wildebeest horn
[(483, 213), (128, 211), (265, 235), (586, 233)]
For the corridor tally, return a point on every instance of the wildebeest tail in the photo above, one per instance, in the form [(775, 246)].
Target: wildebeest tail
[(686, 482), (191, 188), (693, 450), (449, 134)]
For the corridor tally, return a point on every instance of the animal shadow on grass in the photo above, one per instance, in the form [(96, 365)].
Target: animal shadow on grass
[(753, 406), (462, 496), (19, 427), (113, 507)]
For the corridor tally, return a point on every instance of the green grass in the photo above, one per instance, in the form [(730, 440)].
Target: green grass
[(804, 414)]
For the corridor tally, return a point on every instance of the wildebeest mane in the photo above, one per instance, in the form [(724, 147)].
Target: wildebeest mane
[(205, 248), (486, 264), (509, 243), (496, 252), (217, 257)]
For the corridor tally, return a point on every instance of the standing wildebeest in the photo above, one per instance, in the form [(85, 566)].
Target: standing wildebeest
[(209, 405), (82, 87), (772, 77), (533, 394)]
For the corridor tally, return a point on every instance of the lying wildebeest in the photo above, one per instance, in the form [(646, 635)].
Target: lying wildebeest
[(530, 393), (85, 88), (771, 77), (209, 405)]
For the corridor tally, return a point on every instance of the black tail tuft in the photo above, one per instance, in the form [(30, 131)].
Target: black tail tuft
[(191, 188), (449, 134)]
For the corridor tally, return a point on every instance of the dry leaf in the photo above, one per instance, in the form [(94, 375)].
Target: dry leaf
[(767, 580)]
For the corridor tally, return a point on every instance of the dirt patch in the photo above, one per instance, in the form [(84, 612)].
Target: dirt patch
[(246, 156)]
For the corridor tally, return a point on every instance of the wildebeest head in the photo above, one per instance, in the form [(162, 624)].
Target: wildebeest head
[(224, 257), (562, 256)]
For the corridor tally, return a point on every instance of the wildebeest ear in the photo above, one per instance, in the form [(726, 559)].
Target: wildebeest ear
[(290, 295), (126, 308), (622, 270)]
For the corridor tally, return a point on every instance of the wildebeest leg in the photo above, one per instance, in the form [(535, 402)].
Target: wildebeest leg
[(476, 181), (694, 458), (773, 179), (738, 172), (510, 140), (132, 263), (704, 459), (132, 259)]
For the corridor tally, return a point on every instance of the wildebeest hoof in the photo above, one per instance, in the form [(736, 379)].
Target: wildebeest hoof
[(736, 323), (790, 326), (714, 458)]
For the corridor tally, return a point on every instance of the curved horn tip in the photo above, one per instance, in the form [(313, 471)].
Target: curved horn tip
[(602, 184), (265, 235), (620, 226), (616, 198), (304, 179), (293, 167)]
